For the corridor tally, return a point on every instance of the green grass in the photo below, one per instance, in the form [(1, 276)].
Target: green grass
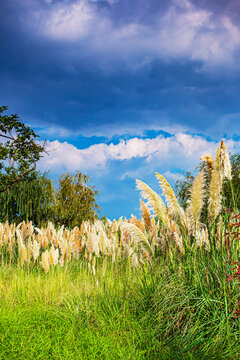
[(69, 314), (154, 312)]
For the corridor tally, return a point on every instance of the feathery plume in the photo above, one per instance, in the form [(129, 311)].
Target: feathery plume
[(226, 170), (134, 260), (23, 254), (114, 226), (146, 216), (44, 241), (197, 195), (45, 261), (218, 159), (179, 242), (174, 208), (209, 161), (202, 239), (137, 235), (35, 249), (29, 250), (155, 202), (134, 220), (53, 256), (215, 196), (61, 261)]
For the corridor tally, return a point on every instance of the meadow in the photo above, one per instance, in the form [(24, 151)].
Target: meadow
[(165, 286)]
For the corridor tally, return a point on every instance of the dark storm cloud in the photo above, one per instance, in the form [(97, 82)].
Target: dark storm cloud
[(97, 64)]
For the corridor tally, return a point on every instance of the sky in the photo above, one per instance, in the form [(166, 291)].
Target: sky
[(121, 89)]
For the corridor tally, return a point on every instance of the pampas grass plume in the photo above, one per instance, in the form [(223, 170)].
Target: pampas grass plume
[(197, 196), (155, 202), (215, 197), (138, 236), (146, 216), (209, 161), (173, 206), (45, 261)]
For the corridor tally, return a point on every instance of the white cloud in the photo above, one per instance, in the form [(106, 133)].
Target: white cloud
[(181, 151), (184, 31), (70, 21)]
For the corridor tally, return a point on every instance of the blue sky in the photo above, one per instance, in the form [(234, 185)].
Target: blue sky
[(123, 88)]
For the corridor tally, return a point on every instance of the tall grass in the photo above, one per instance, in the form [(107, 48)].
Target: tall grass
[(159, 287)]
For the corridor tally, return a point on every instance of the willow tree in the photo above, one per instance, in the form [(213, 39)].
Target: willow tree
[(32, 198), (75, 200)]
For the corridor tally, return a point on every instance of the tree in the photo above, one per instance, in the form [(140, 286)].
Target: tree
[(75, 201), (32, 198), (35, 198), (25, 194), (19, 152)]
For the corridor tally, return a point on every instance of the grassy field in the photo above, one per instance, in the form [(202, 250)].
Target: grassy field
[(163, 287), (154, 311)]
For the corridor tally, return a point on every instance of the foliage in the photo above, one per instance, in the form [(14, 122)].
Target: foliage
[(35, 198), (75, 201), (149, 289), (230, 190), (19, 152), (31, 198), (26, 194)]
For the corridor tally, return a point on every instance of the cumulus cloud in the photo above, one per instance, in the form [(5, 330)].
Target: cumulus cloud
[(183, 31), (72, 21), (181, 151)]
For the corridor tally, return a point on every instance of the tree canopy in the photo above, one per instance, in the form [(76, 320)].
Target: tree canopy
[(32, 198), (75, 201), (19, 151)]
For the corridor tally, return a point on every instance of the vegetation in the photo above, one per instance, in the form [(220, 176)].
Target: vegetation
[(26, 193), (19, 152), (229, 201), (31, 198), (74, 201), (37, 199), (165, 286)]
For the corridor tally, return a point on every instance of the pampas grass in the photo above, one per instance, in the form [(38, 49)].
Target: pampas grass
[(154, 202), (209, 161), (146, 216), (215, 196), (197, 196), (174, 208), (226, 171), (137, 235)]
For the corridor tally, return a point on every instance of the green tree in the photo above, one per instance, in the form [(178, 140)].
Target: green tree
[(75, 201), (19, 152), (32, 198)]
